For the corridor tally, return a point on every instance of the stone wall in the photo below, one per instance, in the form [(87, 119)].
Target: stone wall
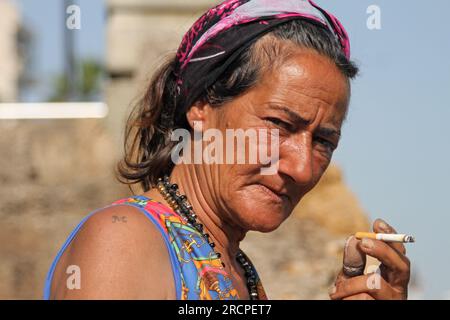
[(52, 173)]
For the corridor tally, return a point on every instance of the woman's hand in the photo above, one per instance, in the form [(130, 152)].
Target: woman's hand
[(390, 282)]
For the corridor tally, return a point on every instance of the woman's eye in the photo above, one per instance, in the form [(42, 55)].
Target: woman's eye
[(327, 144), (280, 123)]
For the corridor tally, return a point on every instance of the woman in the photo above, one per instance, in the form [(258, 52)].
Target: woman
[(278, 67)]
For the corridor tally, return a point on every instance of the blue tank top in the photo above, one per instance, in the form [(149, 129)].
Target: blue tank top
[(197, 270)]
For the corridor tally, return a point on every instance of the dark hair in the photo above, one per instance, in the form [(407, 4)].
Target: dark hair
[(147, 141)]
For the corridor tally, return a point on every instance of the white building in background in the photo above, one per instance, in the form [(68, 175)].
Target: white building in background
[(10, 64)]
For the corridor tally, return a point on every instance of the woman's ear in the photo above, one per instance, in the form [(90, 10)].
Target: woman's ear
[(198, 114)]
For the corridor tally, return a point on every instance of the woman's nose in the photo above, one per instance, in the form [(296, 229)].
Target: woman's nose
[(296, 160)]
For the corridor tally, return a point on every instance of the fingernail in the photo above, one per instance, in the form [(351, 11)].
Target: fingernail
[(367, 243), (383, 226), (332, 290), (347, 242), (354, 258)]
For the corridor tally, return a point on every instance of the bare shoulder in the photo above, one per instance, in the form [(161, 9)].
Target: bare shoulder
[(120, 254)]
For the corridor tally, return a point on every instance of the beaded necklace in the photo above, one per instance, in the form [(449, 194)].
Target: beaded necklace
[(180, 204)]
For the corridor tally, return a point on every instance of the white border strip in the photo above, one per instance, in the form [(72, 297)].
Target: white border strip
[(70, 110)]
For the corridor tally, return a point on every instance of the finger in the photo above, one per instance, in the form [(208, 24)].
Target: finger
[(360, 296), (354, 260), (371, 284), (340, 277), (391, 258), (397, 265), (382, 226)]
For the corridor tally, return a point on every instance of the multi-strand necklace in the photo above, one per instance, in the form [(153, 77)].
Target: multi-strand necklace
[(181, 205)]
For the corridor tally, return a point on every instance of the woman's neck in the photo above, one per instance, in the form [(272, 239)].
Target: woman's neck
[(199, 191)]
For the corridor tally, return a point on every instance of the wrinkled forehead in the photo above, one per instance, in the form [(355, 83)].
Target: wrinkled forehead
[(307, 75)]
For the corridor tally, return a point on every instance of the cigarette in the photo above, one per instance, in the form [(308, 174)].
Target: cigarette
[(387, 237)]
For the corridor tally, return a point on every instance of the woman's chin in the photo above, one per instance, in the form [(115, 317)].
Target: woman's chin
[(263, 217), (266, 227)]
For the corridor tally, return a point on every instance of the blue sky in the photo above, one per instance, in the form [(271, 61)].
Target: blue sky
[(46, 20), (394, 152)]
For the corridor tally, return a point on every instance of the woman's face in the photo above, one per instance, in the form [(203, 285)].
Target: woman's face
[(305, 99)]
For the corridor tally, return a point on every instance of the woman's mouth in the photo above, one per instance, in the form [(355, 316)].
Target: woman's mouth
[(272, 195)]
